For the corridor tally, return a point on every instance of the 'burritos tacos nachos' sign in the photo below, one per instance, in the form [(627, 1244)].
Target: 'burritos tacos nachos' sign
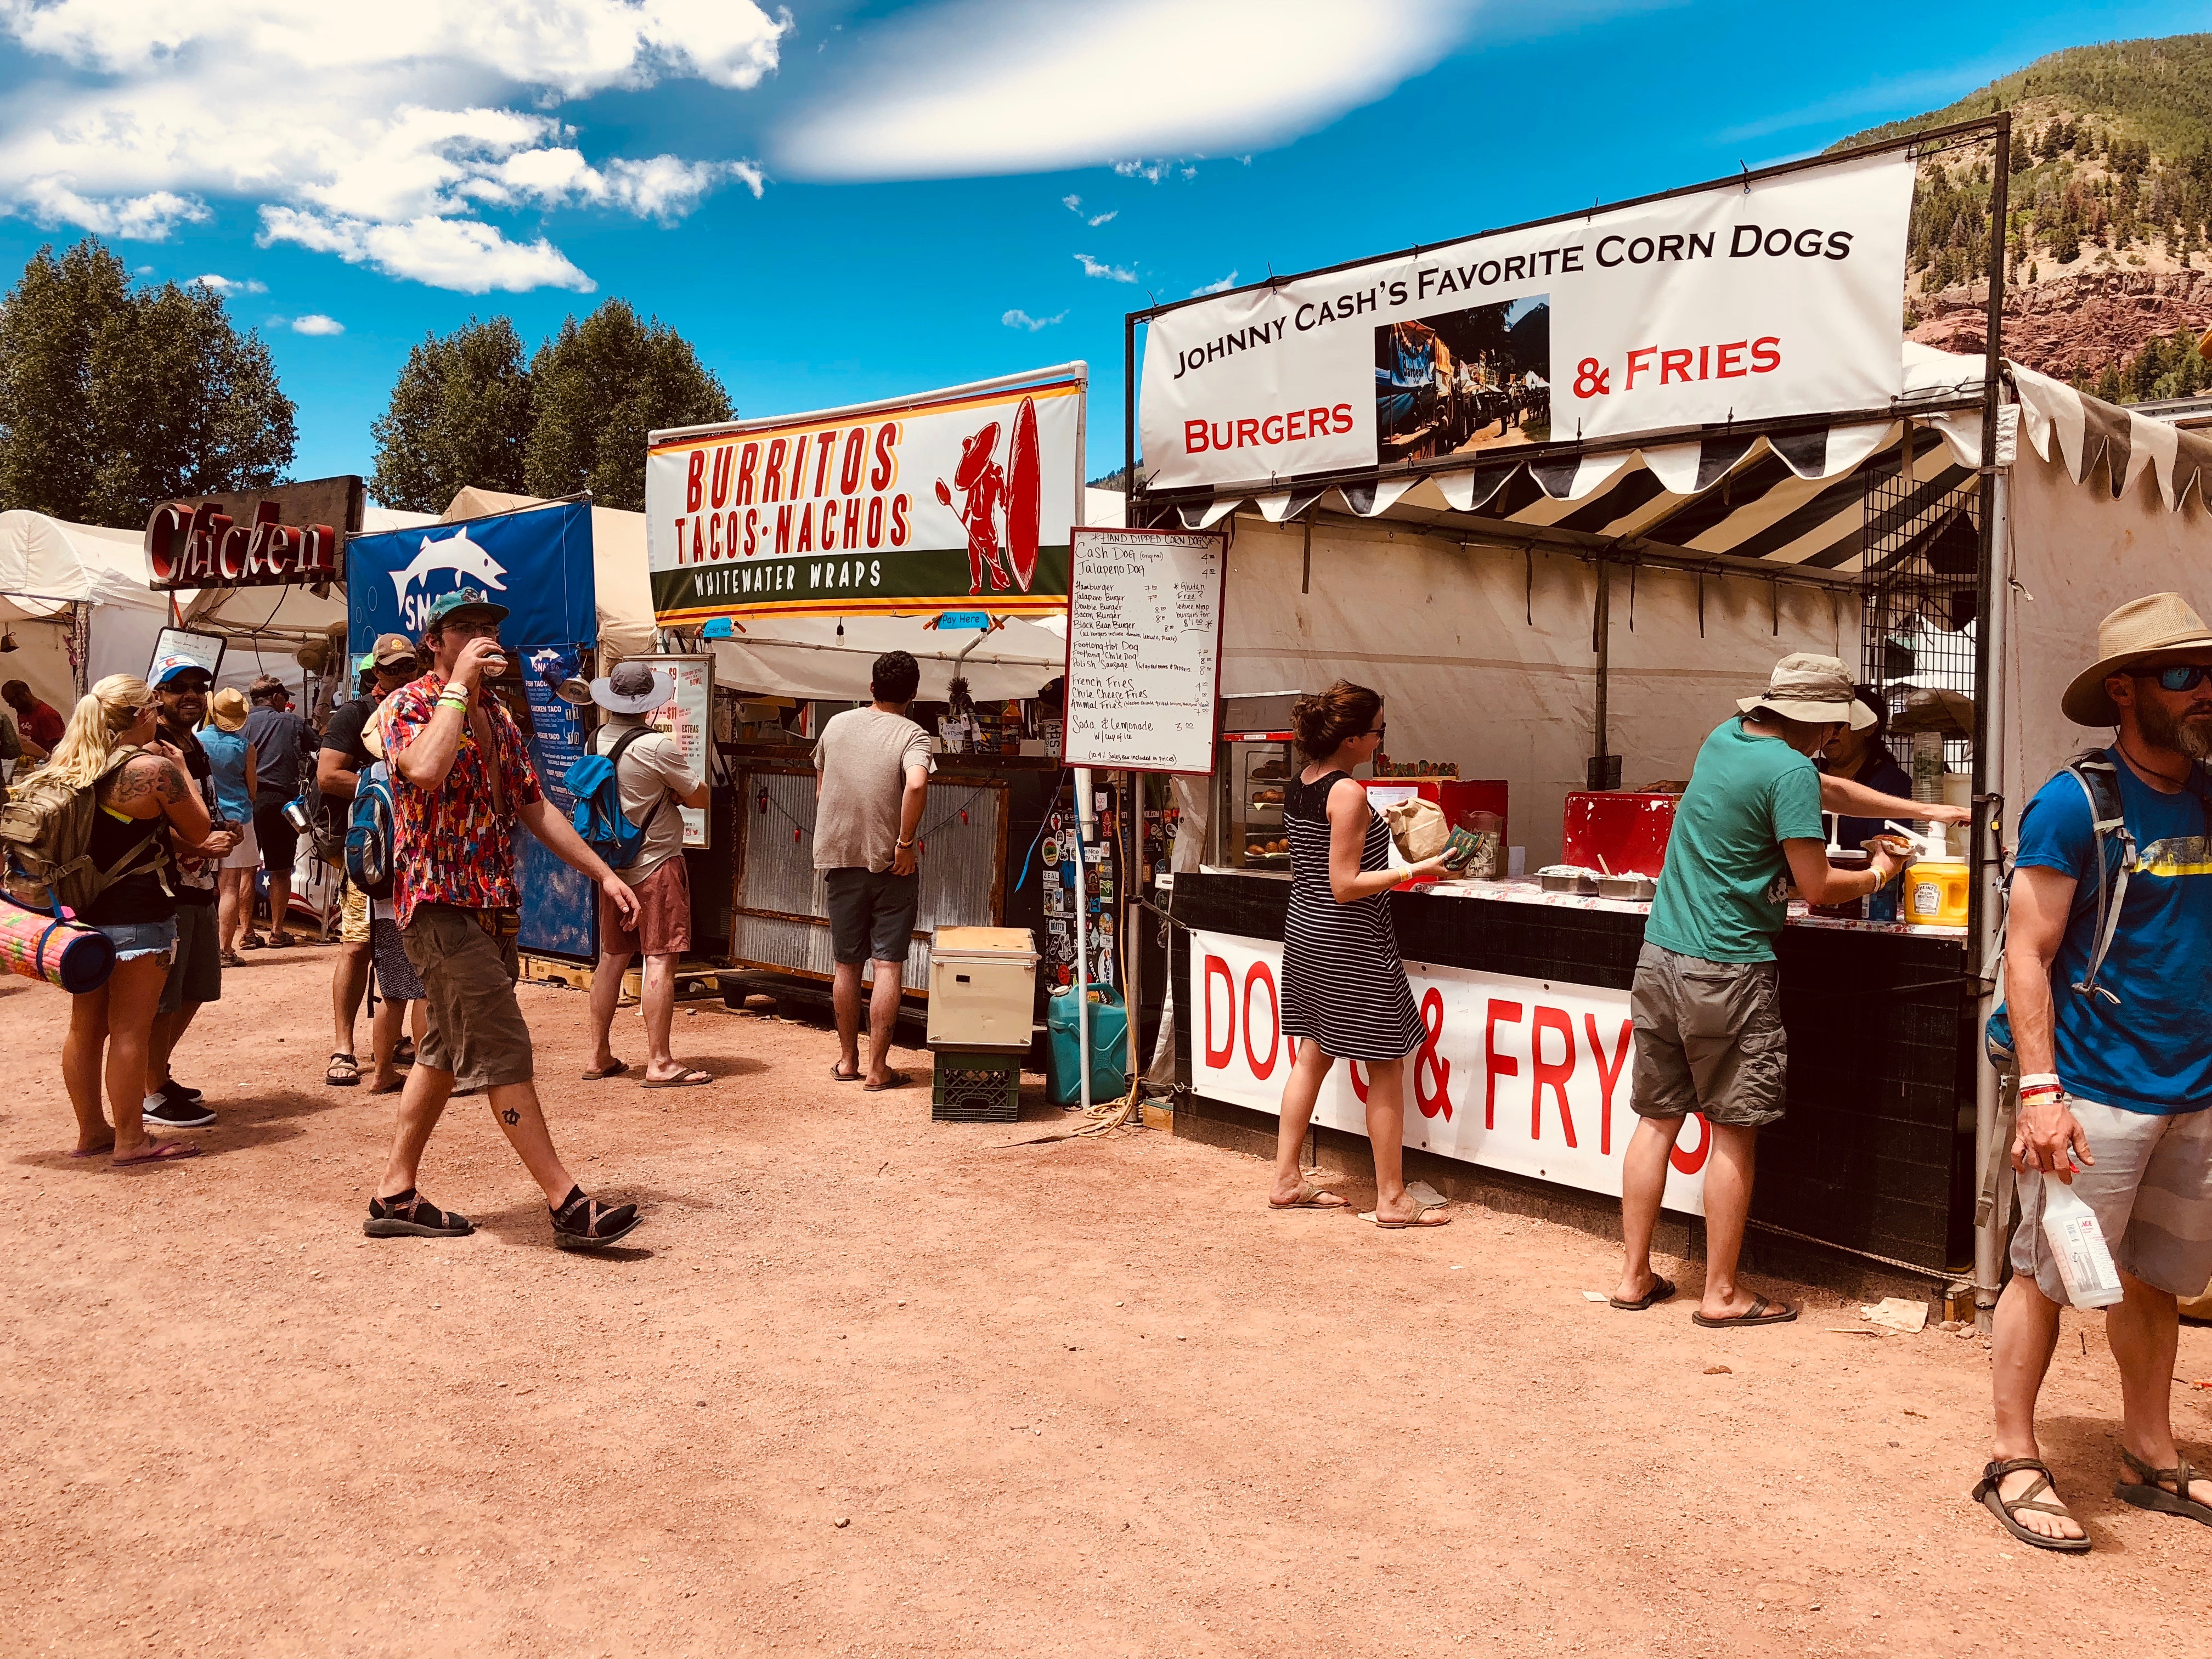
[(958, 500)]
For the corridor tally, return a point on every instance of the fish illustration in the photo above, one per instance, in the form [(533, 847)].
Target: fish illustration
[(456, 553)]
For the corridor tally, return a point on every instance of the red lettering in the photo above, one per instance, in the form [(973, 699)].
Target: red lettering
[(1271, 429), (875, 521), (1294, 425), (1673, 366), (805, 533), (1690, 1163), (748, 464), (1635, 367), (680, 559), (1248, 432), (825, 451), (798, 464), (886, 468), (1765, 358), (1727, 361), (1608, 1073), (1359, 1082), (1258, 974), (772, 474), (752, 530), (714, 535), (1317, 422), (1218, 1058), (1495, 1065), (1341, 417), (720, 485), (1194, 438), (853, 522), (1703, 352), (854, 462), (698, 545), (783, 524), (164, 532), (694, 480), (1551, 1074), (900, 508)]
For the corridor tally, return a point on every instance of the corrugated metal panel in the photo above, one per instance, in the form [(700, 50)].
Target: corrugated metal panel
[(779, 867), (800, 946)]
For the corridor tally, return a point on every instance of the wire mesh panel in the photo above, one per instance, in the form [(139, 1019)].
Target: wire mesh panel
[(1921, 549)]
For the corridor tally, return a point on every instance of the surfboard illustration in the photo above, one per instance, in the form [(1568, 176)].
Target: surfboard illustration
[(1024, 495)]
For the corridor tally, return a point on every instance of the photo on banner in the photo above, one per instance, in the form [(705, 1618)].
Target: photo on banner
[(1463, 380)]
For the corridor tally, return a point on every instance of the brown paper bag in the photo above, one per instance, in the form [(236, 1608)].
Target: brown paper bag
[(1419, 827)]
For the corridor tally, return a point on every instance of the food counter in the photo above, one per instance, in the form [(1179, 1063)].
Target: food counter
[(1526, 1064)]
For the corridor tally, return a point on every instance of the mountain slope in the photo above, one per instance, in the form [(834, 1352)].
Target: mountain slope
[(2108, 271)]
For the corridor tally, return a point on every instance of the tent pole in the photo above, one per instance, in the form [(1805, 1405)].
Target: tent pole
[(1604, 769), (1985, 901)]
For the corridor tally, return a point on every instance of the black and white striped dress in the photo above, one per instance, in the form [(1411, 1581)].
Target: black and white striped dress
[(1344, 983)]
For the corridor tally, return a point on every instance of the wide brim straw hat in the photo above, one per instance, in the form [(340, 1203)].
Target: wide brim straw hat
[(228, 709), (1816, 689), (2141, 629)]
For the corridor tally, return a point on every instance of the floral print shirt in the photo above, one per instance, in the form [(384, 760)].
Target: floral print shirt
[(452, 845)]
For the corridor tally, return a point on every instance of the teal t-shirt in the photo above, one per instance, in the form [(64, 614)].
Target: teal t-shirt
[(1722, 893)]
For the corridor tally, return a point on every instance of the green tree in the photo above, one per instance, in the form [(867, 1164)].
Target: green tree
[(598, 388), (460, 415), (113, 398)]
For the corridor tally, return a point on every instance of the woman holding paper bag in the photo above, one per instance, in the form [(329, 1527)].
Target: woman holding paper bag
[(1344, 990)]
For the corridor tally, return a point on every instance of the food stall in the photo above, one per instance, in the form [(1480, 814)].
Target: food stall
[(1571, 606)]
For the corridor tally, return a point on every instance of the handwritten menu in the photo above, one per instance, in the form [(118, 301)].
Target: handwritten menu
[(1144, 649), (687, 718)]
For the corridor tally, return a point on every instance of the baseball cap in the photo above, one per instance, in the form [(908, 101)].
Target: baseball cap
[(170, 664), (461, 598), (392, 649)]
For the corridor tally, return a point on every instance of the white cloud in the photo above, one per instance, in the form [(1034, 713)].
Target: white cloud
[(1151, 172), (1092, 268), (1073, 204), (463, 254), (367, 120), (1022, 319), (967, 87), (226, 285), (315, 322), (1223, 286), (1098, 219)]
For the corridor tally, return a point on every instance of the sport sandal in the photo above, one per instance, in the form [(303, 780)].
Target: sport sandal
[(2149, 1490), (584, 1224), (410, 1215), (2005, 1509)]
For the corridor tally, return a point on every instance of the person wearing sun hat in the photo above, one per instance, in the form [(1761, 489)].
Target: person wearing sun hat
[(2111, 1028), (223, 738), (655, 780), (1706, 998)]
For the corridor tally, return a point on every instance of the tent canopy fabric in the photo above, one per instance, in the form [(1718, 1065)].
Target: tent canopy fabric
[(619, 575), (829, 658)]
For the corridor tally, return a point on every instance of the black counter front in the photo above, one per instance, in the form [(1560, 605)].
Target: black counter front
[(1877, 1150)]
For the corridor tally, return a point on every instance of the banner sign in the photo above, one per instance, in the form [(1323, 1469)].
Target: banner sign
[(202, 546), (1521, 1074), (560, 906), (1775, 296), (538, 564), (956, 499), (687, 719), (1144, 649)]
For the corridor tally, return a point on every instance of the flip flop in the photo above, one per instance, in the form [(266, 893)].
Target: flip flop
[(161, 1151), (1419, 1219), (687, 1079), (1756, 1314), (1985, 1492), (1311, 1192), (97, 1151), (892, 1080), (1660, 1290), (601, 1074), (836, 1075)]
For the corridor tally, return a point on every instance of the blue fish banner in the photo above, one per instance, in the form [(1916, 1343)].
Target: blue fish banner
[(538, 564)]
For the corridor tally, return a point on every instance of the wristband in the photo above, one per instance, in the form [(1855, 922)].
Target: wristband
[(2030, 1079), (448, 700)]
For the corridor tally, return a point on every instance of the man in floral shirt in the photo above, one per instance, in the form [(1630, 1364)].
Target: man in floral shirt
[(462, 780)]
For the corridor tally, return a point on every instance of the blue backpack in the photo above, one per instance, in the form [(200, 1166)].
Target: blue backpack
[(598, 819), (368, 837)]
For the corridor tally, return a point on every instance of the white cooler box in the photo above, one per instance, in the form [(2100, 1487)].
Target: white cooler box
[(982, 988)]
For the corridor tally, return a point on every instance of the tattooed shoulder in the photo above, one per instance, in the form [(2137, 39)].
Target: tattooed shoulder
[(144, 778)]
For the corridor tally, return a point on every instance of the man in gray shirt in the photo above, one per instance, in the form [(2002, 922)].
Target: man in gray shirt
[(655, 780), (871, 770)]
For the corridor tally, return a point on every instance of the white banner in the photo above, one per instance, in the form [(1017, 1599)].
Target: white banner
[(1521, 1074), (1783, 296)]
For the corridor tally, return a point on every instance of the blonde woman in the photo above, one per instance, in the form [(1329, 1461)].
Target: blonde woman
[(142, 797)]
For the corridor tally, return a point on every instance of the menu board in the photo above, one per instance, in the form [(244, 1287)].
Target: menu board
[(687, 717), (1144, 649)]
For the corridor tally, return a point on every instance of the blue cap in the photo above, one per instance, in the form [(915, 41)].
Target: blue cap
[(464, 598)]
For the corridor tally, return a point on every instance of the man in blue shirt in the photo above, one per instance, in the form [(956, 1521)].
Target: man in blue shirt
[(2115, 1066)]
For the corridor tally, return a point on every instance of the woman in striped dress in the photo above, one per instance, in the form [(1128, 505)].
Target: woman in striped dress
[(1344, 994)]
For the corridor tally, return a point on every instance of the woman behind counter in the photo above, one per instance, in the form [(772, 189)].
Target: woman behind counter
[(1344, 985)]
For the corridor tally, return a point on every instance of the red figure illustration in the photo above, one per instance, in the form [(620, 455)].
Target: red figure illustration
[(1000, 514)]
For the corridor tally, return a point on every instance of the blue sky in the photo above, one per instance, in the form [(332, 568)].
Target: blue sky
[(842, 201)]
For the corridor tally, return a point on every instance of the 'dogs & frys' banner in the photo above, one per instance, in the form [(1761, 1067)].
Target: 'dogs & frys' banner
[(1767, 297), (959, 499)]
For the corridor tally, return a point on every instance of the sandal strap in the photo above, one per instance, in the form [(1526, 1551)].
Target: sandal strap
[(2182, 1475)]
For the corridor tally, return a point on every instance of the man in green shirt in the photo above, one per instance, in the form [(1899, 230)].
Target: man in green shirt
[(1706, 1000)]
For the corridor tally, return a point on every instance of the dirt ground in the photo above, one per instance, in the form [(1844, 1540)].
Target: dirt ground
[(873, 1385)]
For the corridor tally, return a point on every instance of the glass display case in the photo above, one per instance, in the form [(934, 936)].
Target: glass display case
[(1257, 760)]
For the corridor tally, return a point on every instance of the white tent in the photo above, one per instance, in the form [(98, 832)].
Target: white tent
[(55, 576)]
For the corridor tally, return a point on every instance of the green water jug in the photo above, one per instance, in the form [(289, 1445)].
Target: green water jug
[(1109, 1048)]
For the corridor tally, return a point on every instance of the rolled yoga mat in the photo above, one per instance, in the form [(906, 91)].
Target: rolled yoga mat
[(69, 954)]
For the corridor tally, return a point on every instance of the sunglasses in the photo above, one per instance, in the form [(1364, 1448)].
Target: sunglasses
[(2178, 677)]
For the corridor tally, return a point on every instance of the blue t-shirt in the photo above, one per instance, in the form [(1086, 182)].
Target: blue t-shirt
[(2152, 1051), (1723, 890), (226, 752)]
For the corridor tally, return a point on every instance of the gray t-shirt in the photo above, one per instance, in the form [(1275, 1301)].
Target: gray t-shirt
[(650, 769), (862, 756)]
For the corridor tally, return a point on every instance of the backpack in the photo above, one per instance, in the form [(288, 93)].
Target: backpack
[(598, 819), (45, 836), (370, 834)]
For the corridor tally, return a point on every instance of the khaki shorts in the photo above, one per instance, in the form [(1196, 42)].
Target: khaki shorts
[(2151, 1187), (476, 1030), (663, 915), (1709, 1039), (353, 917)]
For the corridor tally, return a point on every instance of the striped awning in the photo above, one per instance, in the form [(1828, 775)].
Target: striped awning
[(2084, 431), (1792, 498)]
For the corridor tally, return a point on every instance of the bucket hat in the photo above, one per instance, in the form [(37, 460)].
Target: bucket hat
[(633, 688), (228, 709), (2148, 626), (1814, 688)]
